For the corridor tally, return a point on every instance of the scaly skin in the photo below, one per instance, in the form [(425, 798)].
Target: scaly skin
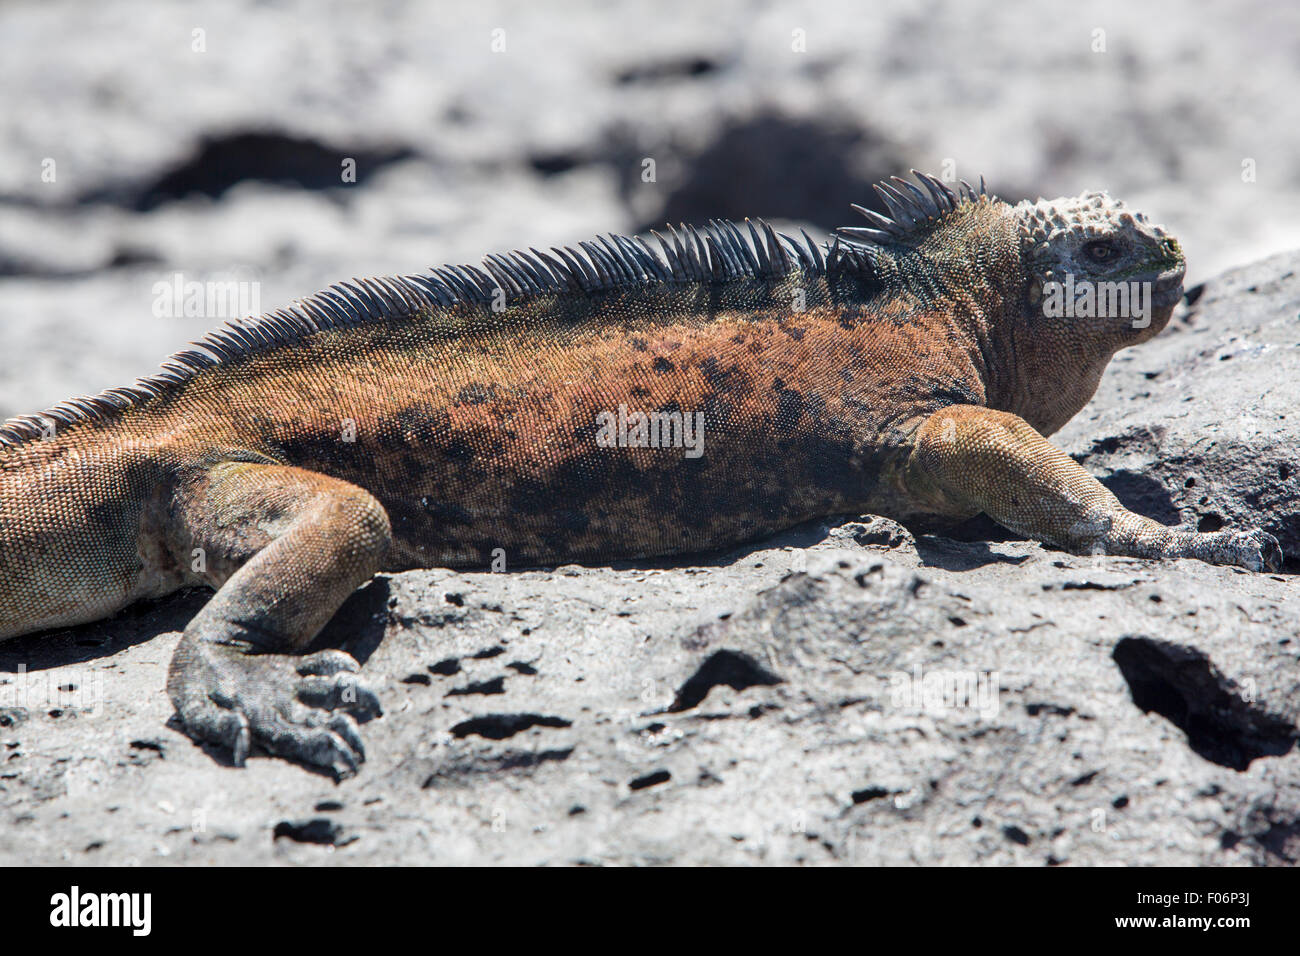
[(913, 374)]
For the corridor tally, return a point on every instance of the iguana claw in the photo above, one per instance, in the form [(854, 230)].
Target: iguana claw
[(1254, 550), (299, 708)]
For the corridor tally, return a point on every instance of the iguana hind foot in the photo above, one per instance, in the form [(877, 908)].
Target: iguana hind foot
[(290, 706), (285, 547)]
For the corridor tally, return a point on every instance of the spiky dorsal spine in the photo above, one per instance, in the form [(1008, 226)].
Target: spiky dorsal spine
[(719, 252), (913, 212)]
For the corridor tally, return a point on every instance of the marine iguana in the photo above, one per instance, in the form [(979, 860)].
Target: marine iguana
[(543, 404)]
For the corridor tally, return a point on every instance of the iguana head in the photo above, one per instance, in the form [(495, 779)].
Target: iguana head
[(1093, 261), (1085, 262), (1054, 287)]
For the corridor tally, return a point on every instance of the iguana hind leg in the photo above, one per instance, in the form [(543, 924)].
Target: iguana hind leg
[(997, 463), (284, 547)]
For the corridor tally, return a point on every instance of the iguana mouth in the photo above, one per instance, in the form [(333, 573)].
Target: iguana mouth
[(1168, 287)]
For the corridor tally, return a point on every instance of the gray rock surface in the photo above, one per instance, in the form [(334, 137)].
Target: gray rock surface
[(845, 693)]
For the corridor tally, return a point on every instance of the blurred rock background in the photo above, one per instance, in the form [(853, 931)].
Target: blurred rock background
[(140, 139)]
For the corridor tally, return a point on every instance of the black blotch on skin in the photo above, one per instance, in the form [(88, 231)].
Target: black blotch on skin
[(849, 316), (662, 364), (413, 465), (530, 497), (458, 450), (712, 372), (571, 519), (447, 512), (584, 434), (789, 409), (718, 413), (330, 454), (598, 472), (956, 395), (729, 379), (815, 406)]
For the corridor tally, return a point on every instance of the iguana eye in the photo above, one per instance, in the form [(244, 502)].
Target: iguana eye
[(1100, 251)]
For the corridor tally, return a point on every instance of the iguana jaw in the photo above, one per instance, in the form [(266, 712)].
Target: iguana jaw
[(1168, 287)]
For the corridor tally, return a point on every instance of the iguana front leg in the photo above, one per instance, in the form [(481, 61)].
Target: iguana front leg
[(284, 547), (995, 462)]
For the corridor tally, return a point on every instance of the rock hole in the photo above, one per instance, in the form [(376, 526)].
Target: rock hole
[(1016, 835), (221, 162), (317, 830), (497, 685), (552, 164), (650, 780), (869, 793), (1183, 686), (735, 669), (501, 726)]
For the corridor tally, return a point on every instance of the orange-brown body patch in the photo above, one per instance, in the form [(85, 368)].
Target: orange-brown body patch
[(485, 441)]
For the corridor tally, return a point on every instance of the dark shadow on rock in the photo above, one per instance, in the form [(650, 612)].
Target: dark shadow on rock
[(359, 625), (137, 624), (803, 535), (951, 555), (775, 166), (459, 771), (1143, 495), (735, 669), (980, 528), (747, 171), (357, 628), (225, 757), (219, 755)]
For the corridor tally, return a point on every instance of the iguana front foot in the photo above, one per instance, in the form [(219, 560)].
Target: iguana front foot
[(299, 708), (1254, 550), (1132, 535), (981, 459)]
